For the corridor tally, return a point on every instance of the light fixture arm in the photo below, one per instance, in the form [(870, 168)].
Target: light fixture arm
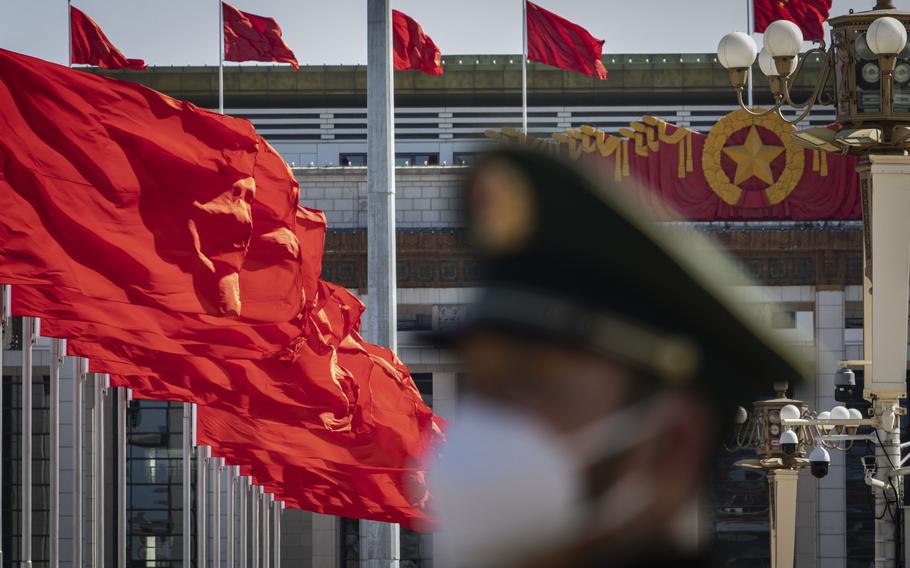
[(820, 84), (745, 107)]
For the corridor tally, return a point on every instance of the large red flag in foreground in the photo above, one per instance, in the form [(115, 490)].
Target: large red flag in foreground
[(248, 37), (809, 15), (556, 41), (91, 47), (413, 49), (113, 191), (97, 242)]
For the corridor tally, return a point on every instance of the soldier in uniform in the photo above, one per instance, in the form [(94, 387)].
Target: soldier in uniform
[(604, 364)]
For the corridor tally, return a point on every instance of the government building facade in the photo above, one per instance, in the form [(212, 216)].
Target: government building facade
[(657, 113)]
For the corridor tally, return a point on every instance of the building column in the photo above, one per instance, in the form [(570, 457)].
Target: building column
[(831, 549), (325, 541)]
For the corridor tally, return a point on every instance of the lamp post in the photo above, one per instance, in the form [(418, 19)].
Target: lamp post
[(866, 77)]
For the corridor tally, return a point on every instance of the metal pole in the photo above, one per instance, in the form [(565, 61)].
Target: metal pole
[(266, 542), (98, 470), (381, 539), (201, 508), (28, 342), (78, 388), (524, 66), (4, 323), (187, 482), (254, 525), (58, 351), (229, 516), (244, 483), (750, 25), (279, 508), (216, 512), (122, 407), (220, 57)]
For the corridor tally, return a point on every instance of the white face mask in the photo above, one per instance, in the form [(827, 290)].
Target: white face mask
[(507, 486)]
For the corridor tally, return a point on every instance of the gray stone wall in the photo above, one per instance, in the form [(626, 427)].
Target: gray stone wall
[(426, 197)]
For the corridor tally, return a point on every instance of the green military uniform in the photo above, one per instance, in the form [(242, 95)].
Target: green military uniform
[(565, 260)]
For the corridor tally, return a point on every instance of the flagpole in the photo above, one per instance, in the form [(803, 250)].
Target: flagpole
[(187, 472), (98, 470), (279, 509), (229, 516), (58, 351), (201, 509), (78, 391), (220, 57), (524, 66), (216, 512), (4, 323), (122, 408), (750, 25), (254, 525), (244, 483), (266, 509), (28, 342)]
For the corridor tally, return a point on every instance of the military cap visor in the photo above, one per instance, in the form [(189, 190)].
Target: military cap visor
[(563, 256)]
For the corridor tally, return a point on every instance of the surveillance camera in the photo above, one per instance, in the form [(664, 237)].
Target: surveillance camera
[(844, 383), (819, 460), (789, 442)]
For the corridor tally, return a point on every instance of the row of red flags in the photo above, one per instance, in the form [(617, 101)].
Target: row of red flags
[(167, 245), (552, 39)]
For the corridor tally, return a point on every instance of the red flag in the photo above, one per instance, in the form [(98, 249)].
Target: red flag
[(248, 37), (556, 41), (807, 14), (413, 49), (99, 321), (118, 192), (91, 47)]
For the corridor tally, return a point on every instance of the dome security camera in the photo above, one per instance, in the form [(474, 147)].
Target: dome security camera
[(844, 384), (789, 442), (819, 461)]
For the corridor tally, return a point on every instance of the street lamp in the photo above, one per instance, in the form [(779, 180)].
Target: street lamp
[(870, 63), (865, 75), (787, 438)]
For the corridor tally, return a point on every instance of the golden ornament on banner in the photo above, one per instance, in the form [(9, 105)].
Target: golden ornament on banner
[(753, 158)]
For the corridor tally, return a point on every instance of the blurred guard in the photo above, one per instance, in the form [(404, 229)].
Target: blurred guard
[(604, 364)]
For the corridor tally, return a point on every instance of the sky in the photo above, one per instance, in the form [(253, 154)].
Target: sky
[(332, 32)]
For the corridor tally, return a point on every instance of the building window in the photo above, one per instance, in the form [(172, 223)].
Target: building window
[(464, 158), (415, 322), (783, 319), (404, 159), (740, 512), (348, 160), (858, 496), (12, 473), (154, 496)]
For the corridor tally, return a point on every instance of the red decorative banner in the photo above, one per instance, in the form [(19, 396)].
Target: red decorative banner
[(745, 169)]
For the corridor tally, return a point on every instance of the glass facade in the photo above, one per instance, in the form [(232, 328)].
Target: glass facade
[(154, 494), (740, 512), (12, 473), (858, 495)]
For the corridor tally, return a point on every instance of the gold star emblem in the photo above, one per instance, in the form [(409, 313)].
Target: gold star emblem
[(753, 158)]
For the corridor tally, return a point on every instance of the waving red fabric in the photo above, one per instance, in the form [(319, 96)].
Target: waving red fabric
[(413, 49), (115, 191), (248, 37), (556, 41), (809, 15), (91, 47)]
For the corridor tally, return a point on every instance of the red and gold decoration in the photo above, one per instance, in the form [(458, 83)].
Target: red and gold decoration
[(745, 168)]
